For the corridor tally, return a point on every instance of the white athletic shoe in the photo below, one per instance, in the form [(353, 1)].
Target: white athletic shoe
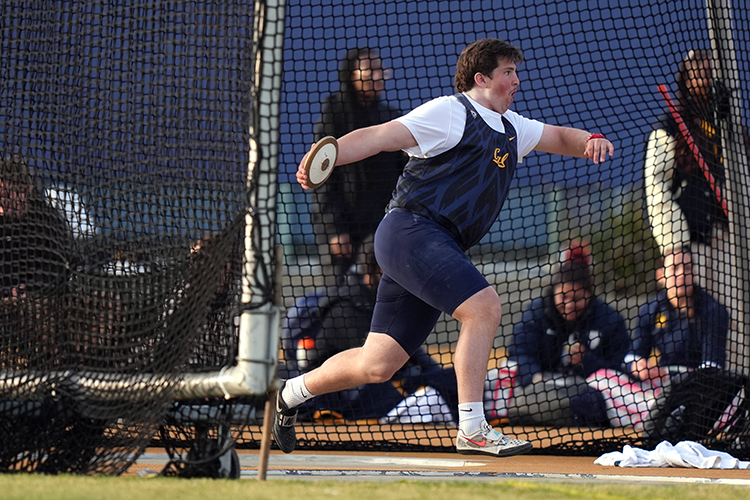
[(487, 441)]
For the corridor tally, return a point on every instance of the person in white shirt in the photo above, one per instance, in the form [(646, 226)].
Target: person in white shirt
[(463, 152)]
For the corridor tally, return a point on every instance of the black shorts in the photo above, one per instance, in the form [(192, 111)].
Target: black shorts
[(425, 273)]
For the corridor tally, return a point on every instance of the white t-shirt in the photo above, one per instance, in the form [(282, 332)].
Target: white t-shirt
[(438, 126)]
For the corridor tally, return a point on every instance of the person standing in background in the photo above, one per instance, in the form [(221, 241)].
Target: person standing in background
[(349, 206), (683, 208)]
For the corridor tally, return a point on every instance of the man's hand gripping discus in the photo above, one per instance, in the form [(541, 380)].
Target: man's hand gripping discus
[(319, 162)]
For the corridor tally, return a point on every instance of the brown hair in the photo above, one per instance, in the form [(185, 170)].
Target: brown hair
[(482, 57)]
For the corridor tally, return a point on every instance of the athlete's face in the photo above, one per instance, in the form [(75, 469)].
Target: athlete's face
[(502, 85)]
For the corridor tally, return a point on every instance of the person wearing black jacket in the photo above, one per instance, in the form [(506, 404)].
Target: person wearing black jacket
[(564, 336), (349, 206), (36, 252)]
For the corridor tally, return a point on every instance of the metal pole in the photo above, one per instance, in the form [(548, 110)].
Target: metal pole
[(736, 276), (265, 442)]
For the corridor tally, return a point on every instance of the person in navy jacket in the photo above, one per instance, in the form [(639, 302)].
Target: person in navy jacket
[(686, 326), (564, 336)]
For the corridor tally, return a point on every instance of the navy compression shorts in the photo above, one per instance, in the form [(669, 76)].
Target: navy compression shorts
[(425, 272)]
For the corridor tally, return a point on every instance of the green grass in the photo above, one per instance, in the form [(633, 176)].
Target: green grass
[(64, 487)]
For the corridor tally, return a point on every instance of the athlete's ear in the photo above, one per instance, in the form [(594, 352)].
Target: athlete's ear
[(480, 80)]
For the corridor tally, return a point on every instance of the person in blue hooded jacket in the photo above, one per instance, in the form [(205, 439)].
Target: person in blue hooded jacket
[(564, 336), (684, 324)]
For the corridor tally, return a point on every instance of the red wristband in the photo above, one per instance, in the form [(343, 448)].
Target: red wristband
[(595, 136)]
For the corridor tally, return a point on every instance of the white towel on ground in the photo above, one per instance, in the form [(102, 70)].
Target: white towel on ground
[(683, 454)]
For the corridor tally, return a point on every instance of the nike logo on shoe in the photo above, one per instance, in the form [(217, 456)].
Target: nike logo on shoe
[(477, 443)]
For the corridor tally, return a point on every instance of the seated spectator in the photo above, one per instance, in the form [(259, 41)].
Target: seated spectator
[(328, 321), (36, 252), (680, 329), (564, 336), (35, 241), (685, 325)]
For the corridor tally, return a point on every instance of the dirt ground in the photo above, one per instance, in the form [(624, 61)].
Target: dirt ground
[(301, 464)]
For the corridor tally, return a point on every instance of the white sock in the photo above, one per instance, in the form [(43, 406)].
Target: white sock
[(470, 417), (295, 392)]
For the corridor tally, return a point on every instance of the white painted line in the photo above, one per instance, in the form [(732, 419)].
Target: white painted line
[(671, 479), (301, 461), (488, 476), (361, 460)]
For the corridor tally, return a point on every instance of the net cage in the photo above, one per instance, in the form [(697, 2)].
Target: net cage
[(597, 66), (133, 121), (136, 230)]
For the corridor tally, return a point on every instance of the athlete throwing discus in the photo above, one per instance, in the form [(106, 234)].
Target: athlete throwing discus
[(429, 225)]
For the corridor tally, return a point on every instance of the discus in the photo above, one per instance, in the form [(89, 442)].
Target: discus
[(320, 161)]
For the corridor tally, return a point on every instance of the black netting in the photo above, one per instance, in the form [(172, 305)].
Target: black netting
[(590, 65), (125, 134)]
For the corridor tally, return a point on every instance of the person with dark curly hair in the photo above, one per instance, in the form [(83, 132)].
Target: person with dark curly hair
[(463, 150)]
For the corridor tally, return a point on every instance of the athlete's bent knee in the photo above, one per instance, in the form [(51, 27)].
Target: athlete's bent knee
[(484, 305), (380, 372)]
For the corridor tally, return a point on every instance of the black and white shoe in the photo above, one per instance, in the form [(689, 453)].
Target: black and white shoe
[(284, 419)]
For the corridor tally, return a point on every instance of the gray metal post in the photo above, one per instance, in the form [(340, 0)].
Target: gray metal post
[(737, 276)]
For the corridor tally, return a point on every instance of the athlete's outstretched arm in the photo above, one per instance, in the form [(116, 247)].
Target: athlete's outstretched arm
[(569, 141), (365, 142)]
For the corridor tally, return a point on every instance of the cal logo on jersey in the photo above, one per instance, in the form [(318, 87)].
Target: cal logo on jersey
[(500, 158)]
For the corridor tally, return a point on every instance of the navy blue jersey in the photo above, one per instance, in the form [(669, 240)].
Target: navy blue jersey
[(464, 188)]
